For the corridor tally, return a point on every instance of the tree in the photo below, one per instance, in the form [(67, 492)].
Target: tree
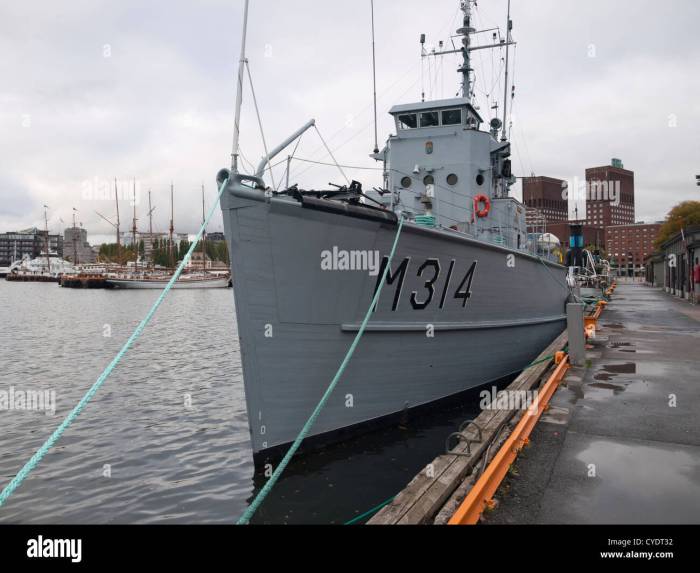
[(182, 248), (117, 254), (681, 216)]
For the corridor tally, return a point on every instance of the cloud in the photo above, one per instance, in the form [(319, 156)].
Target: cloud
[(97, 90)]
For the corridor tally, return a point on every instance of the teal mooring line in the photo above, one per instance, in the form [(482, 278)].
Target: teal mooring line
[(75, 412), (250, 512)]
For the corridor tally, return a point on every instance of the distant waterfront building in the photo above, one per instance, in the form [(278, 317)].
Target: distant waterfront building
[(149, 240), (611, 201), (672, 266), (216, 237), (196, 261), (548, 211), (31, 242), (76, 246), (545, 202), (126, 238), (592, 236), (629, 245)]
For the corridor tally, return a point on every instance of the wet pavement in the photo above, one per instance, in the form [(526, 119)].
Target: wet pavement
[(621, 443)]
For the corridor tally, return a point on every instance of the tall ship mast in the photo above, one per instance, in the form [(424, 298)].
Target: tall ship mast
[(134, 232), (119, 243), (466, 302), (171, 230)]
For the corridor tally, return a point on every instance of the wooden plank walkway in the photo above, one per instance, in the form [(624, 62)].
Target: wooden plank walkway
[(424, 497)]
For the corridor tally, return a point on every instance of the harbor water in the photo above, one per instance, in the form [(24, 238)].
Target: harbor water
[(166, 439)]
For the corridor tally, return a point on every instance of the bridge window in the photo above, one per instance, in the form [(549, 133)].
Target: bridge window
[(429, 119), (408, 121), (452, 117)]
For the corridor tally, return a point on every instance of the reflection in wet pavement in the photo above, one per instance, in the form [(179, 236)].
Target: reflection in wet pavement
[(628, 368), (639, 482), (630, 451), (613, 387)]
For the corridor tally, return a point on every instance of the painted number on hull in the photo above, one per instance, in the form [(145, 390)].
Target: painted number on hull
[(430, 271)]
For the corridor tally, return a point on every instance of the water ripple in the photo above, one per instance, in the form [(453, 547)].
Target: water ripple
[(167, 461)]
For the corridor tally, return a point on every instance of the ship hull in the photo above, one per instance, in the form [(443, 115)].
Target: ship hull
[(223, 282), (297, 318)]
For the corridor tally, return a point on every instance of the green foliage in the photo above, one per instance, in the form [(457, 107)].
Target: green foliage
[(216, 251), (680, 217), (113, 253)]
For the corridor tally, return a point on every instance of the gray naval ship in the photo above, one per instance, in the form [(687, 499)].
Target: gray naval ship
[(466, 301)]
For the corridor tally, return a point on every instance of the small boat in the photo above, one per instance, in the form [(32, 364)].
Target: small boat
[(40, 269), (151, 281)]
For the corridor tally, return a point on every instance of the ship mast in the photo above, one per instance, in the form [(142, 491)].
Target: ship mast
[(509, 27), (466, 31), (239, 93), (150, 225), (46, 239), (133, 232), (172, 224), (75, 239), (119, 244), (204, 234)]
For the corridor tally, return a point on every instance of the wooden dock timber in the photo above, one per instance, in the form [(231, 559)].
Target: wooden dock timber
[(423, 498)]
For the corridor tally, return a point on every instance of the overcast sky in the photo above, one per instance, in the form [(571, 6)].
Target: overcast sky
[(95, 90)]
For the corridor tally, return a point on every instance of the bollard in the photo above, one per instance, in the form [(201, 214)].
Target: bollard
[(577, 342)]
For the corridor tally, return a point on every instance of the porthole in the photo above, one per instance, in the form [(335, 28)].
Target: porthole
[(452, 179), (429, 180), (480, 180), (406, 182)]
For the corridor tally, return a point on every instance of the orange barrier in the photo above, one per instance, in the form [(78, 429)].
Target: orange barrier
[(481, 495)]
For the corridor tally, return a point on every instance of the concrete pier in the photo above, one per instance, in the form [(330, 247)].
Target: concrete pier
[(621, 442)]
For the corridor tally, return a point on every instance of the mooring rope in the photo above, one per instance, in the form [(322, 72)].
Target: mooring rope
[(369, 513), (75, 412), (255, 505)]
